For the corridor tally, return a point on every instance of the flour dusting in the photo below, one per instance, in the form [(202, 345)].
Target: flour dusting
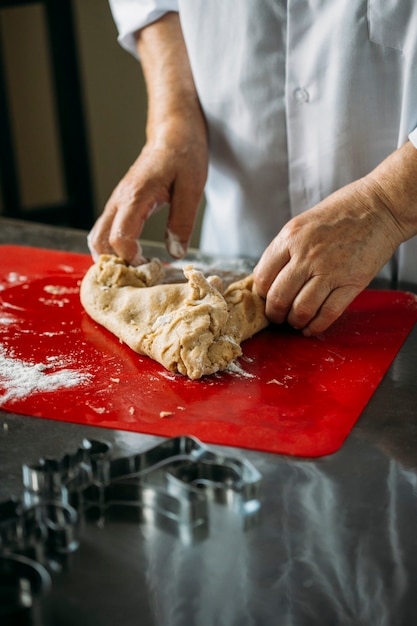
[(235, 368), (58, 290), (14, 277), (21, 379), (7, 320)]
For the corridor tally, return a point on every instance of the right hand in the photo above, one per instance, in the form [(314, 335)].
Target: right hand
[(172, 168)]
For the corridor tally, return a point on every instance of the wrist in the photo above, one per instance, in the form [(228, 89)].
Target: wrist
[(392, 188), (174, 119)]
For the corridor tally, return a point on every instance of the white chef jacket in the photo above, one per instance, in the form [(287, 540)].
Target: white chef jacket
[(301, 97)]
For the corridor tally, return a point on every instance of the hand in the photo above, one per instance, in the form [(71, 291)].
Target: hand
[(171, 169), (324, 257)]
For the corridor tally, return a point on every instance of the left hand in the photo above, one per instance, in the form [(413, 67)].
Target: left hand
[(321, 259)]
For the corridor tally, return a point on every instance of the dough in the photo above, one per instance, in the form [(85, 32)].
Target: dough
[(193, 328)]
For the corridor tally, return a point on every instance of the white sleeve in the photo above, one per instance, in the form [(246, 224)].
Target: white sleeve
[(131, 15), (413, 137)]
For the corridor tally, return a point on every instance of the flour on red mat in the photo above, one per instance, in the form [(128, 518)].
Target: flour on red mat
[(235, 368), (20, 379)]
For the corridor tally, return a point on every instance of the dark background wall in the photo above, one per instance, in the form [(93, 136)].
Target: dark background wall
[(114, 99)]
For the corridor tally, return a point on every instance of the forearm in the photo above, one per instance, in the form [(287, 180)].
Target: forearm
[(393, 186), (172, 96)]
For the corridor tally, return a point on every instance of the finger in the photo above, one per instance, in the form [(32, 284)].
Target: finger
[(272, 261), (176, 248), (332, 308), (282, 293), (127, 227), (182, 214), (308, 301), (98, 237)]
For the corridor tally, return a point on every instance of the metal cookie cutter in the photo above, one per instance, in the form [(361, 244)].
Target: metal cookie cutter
[(171, 484), (177, 480)]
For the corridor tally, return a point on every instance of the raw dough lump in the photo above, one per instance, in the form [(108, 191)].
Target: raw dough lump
[(193, 328)]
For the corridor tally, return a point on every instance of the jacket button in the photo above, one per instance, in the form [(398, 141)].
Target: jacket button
[(301, 95)]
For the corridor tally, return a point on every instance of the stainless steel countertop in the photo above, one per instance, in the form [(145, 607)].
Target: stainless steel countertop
[(336, 541)]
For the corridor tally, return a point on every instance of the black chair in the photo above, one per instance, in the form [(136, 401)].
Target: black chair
[(77, 210)]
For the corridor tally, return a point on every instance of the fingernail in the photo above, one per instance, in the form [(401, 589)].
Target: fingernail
[(174, 245), (95, 255), (138, 259)]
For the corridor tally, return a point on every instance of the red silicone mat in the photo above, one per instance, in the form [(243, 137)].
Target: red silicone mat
[(289, 394)]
